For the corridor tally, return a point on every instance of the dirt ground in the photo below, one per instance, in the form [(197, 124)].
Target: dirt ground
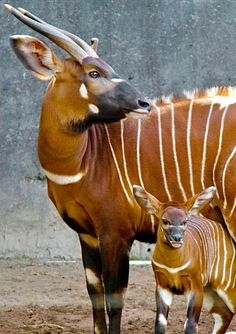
[(51, 298)]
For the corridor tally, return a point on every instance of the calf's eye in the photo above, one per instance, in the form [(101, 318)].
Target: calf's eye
[(165, 222)]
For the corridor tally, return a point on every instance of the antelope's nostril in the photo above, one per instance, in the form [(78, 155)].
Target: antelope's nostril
[(144, 103), (177, 238)]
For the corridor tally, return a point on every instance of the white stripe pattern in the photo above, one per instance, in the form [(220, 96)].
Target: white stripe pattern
[(219, 145), (230, 280), (224, 173), (175, 153), (123, 155), (224, 254), (189, 146), (138, 154), (117, 166), (162, 155), (233, 208), (219, 253), (205, 145)]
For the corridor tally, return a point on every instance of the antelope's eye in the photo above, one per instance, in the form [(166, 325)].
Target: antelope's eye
[(94, 74), (184, 223), (165, 222)]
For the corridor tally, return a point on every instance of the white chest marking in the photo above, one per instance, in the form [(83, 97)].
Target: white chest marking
[(172, 270), (63, 179), (83, 91), (92, 108)]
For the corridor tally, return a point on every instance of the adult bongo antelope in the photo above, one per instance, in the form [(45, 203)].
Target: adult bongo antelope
[(92, 156), (194, 256)]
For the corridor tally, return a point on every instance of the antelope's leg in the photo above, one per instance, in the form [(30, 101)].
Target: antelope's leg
[(221, 313), (195, 300), (115, 263), (163, 302), (93, 272)]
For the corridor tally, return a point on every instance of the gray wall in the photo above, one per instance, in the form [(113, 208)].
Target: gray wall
[(162, 46)]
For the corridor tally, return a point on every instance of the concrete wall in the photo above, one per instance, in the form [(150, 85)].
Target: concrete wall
[(161, 46)]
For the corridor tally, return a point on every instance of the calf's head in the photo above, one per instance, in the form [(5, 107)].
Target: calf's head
[(172, 216)]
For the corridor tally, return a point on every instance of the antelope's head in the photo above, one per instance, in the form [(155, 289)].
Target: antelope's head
[(84, 83), (172, 216)]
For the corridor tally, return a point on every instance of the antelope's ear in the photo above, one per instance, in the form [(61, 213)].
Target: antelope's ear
[(199, 202), (145, 200), (36, 56)]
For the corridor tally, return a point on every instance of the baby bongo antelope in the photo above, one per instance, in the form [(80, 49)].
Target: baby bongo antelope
[(193, 256)]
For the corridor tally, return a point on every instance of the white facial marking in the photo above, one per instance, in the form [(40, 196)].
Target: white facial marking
[(94, 109), (63, 179), (162, 320), (92, 277), (166, 296), (83, 91), (116, 80)]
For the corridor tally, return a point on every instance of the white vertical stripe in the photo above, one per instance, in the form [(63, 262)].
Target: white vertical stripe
[(209, 244), (224, 254), (138, 154), (224, 173), (161, 155), (219, 145), (189, 125), (117, 166), (231, 272), (188, 230), (213, 227), (175, 153), (205, 145), (123, 155), (204, 249), (233, 208), (217, 250)]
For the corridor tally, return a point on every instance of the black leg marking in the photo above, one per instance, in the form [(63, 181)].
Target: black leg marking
[(93, 270)]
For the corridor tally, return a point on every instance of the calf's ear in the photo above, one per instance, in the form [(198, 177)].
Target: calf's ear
[(36, 56), (198, 202), (146, 201)]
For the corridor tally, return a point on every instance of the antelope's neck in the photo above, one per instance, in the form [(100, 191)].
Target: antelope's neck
[(168, 256), (60, 152)]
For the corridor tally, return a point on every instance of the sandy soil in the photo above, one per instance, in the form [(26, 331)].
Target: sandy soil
[(51, 298)]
